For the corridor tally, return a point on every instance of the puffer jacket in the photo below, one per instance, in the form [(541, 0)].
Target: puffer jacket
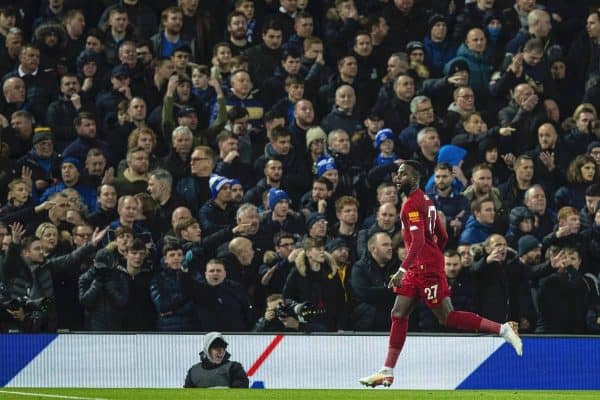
[(480, 70), (174, 307), (104, 294)]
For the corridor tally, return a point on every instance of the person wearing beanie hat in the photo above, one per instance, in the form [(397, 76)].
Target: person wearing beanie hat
[(71, 178), (521, 218), (325, 164), (458, 65), (384, 142), (72, 160), (488, 154), (41, 135), (521, 222), (316, 143), (316, 226), (315, 133), (275, 196), (325, 167), (281, 217), (416, 59), (438, 48), (313, 218), (528, 243), (217, 183), (217, 213), (335, 244)]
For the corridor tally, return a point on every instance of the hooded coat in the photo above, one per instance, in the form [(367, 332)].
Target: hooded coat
[(208, 374), (322, 288), (480, 70)]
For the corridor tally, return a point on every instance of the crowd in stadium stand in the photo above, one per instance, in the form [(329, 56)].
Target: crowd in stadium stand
[(202, 165)]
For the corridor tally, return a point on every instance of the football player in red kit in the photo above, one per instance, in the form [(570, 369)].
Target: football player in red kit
[(421, 276)]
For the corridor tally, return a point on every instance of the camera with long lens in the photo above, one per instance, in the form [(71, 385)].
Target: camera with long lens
[(36, 310), (303, 312)]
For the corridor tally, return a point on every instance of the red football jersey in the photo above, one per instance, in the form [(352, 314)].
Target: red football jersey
[(424, 235)]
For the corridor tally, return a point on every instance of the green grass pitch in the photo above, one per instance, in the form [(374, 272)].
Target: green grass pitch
[(267, 394)]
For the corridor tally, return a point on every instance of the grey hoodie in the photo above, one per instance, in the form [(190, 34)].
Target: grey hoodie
[(207, 373)]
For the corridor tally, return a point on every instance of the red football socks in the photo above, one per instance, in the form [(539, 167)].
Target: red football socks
[(397, 338), (468, 321)]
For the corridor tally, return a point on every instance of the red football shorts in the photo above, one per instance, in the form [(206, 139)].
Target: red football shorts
[(426, 283)]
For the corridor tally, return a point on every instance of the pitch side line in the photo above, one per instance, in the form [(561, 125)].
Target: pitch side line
[(265, 354), (53, 396)]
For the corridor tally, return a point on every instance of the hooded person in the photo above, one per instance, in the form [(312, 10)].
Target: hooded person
[(521, 223), (384, 144), (216, 370)]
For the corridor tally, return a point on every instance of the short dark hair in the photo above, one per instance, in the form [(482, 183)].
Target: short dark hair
[(442, 165), (292, 52), (271, 24), (451, 253), (27, 242), (237, 112), (137, 244), (282, 235), (325, 182), (593, 190), (279, 132), (171, 246), (81, 116)]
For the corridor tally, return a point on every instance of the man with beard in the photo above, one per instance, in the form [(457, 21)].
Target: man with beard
[(304, 118), (85, 128), (237, 25), (164, 43), (319, 199), (273, 172), (482, 186), (446, 199), (370, 278), (421, 276), (135, 176)]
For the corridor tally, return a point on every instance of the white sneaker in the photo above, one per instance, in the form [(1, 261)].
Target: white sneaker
[(382, 377), (509, 333)]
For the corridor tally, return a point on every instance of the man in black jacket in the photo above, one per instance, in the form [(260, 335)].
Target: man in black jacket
[(370, 278), (27, 264), (219, 303)]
